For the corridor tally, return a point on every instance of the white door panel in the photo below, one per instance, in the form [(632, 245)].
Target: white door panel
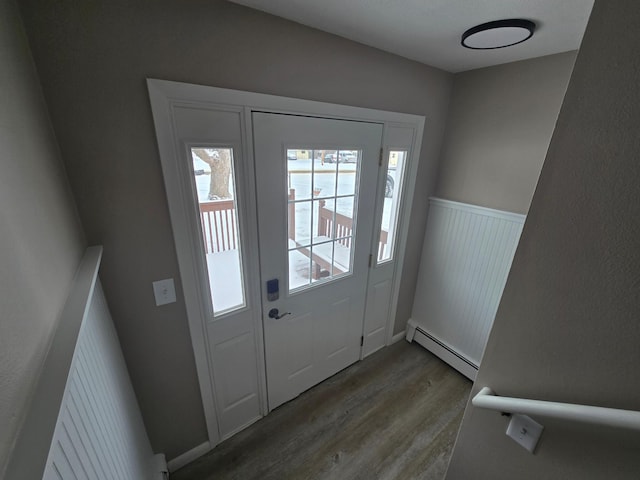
[(222, 259), (322, 333), (290, 370), (391, 221), (378, 306)]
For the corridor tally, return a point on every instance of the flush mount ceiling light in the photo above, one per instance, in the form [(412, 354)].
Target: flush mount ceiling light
[(498, 34)]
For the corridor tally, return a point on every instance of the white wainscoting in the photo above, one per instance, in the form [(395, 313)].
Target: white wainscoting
[(84, 421), (466, 259)]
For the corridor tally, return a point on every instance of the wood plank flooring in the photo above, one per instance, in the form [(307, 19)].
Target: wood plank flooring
[(395, 415)]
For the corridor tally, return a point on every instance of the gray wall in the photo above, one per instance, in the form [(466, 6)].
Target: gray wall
[(500, 124), (41, 242), (568, 325), (93, 58)]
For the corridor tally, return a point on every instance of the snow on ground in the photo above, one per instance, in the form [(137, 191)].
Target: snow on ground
[(226, 290), (227, 287)]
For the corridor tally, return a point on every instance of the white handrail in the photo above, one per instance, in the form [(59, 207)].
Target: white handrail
[(613, 417)]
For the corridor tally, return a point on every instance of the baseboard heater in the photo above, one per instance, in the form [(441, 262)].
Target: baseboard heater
[(440, 349), (84, 420)]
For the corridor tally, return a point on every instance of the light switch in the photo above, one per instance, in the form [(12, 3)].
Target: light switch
[(525, 430), (164, 291)]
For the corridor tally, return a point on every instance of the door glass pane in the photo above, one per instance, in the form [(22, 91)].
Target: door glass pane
[(322, 255), (345, 218), (324, 175), (215, 185), (391, 209), (342, 256), (299, 267), (299, 221), (347, 172), (321, 228), (299, 171)]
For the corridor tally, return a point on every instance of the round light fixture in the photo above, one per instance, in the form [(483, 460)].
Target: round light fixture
[(498, 34)]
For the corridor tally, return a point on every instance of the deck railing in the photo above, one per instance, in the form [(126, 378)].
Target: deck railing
[(326, 219), (218, 219), (344, 228)]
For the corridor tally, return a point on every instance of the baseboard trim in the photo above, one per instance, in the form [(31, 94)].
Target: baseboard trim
[(188, 456), (397, 337)]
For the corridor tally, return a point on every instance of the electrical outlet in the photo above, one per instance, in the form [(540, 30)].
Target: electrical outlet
[(525, 431), (164, 291)]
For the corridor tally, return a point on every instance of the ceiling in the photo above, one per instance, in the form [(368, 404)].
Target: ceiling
[(429, 31)]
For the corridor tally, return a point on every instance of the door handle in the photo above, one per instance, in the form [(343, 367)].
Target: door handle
[(275, 313)]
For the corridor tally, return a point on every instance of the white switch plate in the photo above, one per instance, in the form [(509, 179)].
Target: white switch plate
[(164, 291), (525, 430)]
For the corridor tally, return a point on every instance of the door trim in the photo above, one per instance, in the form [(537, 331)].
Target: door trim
[(164, 95)]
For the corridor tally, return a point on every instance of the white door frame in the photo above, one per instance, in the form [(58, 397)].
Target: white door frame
[(164, 95)]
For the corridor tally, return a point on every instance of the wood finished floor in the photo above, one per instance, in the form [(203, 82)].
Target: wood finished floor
[(394, 415)]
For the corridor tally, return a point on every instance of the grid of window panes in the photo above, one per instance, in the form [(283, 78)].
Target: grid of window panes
[(322, 196), (215, 189), (391, 209)]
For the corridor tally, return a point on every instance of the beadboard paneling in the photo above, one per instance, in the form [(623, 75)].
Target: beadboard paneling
[(83, 421), (100, 433), (466, 258)]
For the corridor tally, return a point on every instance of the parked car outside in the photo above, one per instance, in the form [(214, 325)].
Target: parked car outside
[(348, 157), (329, 158), (342, 157), (391, 182)]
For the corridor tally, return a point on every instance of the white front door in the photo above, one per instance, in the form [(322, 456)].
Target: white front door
[(312, 182), (316, 184)]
